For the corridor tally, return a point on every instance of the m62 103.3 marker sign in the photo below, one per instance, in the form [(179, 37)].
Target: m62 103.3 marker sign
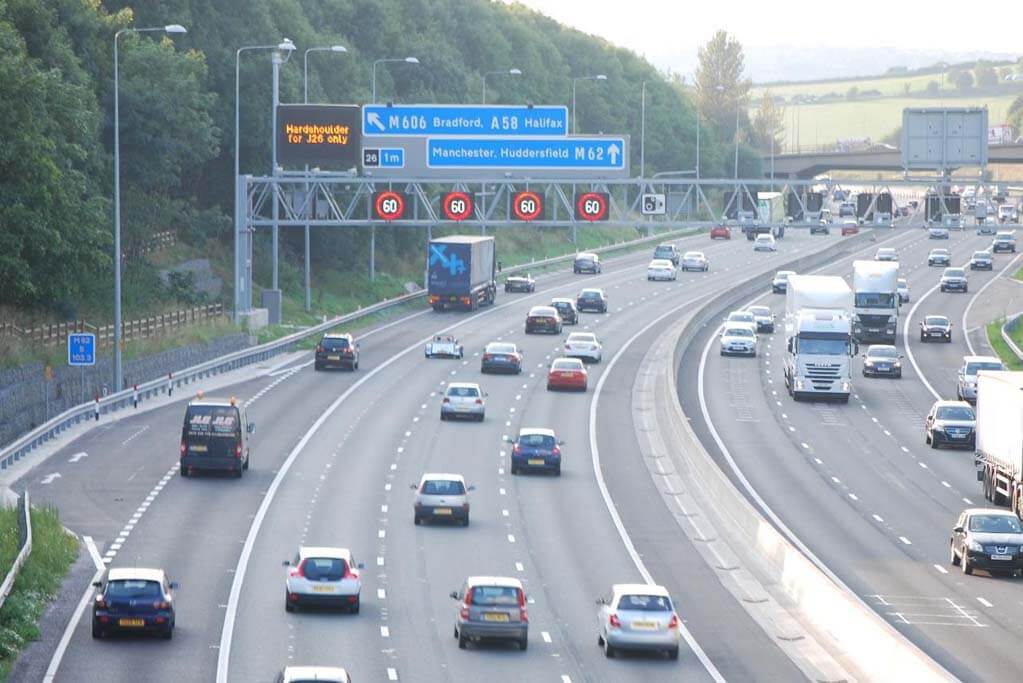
[(389, 205), (457, 206), (591, 206), (527, 206)]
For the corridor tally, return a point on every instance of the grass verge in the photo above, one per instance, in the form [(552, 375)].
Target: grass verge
[(994, 337), (53, 553), (1018, 275)]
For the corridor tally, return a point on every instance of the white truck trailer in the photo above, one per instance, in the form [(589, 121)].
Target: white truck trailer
[(999, 455), (819, 343), (876, 301)]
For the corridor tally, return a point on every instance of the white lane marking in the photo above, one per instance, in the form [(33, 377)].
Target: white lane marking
[(381, 533), (547, 636), (984, 602), (385, 632), (511, 538), (805, 445), (49, 478), (854, 496), (504, 513), (606, 495), (78, 456), (392, 674), (501, 491), (836, 480), (383, 508), (380, 561), (967, 501), (76, 617), (946, 484), (381, 594), (905, 540), (923, 465), (904, 449), (941, 569), (565, 678), (519, 567), (878, 518), (969, 304)]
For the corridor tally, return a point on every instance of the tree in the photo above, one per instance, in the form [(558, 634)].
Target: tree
[(769, 124), (985, 76), (1014, 117), (721, 87), (963, 80)]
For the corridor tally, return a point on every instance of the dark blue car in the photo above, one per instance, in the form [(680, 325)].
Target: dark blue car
[(134, 600), (536, 449), (501, 357)]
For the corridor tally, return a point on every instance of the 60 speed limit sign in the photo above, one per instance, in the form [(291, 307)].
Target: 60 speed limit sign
[(457, 206), (527, 206), (388, 205), (591, 206)]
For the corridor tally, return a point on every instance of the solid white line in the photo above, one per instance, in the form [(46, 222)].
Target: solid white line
[(941, 569), (606, 495), (69, 630), (984, 602), (969, 305)]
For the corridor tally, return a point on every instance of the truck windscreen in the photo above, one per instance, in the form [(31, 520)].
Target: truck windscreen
[(875, 300), (212, 430), (823, 347)]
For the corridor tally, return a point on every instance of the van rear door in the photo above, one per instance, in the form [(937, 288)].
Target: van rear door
[(212, 437)]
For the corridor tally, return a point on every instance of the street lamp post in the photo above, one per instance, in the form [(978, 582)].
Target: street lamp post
[(373, 228), (642, 131), (169, 29), (241, 304), (279, 57), (305, 99), (506, 72), (598, 77)]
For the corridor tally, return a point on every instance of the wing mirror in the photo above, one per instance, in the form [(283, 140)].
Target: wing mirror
[(789, 346), (600, 601), (413, 486), (508, 439), (251, 428), (561, 442), (958, 530), (97, 584), (174, 585), (286, 563), (360, 565), (470, 487), (454, 595)]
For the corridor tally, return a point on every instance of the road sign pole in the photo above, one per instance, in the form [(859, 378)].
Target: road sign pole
[(642, 132), (426, 269), (372, 253), (277, 61)]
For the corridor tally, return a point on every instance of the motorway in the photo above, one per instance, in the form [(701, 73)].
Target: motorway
[(856, 483), (332, 460)]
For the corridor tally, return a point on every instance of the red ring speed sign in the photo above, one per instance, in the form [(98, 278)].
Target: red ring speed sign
[(457, 206), (527, 205), (591, 206), (389, 205)]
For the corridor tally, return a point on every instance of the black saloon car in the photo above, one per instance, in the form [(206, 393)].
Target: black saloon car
[(337, 351), (591, 300), (936, 327)]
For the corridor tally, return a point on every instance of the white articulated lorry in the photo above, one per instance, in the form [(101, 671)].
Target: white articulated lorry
[(818, 332), (999, 455), (876, 301)]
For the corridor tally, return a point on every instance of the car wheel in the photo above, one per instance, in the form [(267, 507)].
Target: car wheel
[(548, 386), (97, 632), (417, 520), (514, 470), (184, 472), (964, 562), (948, 339), (922, 338), (927, 439), (898, 375), (462, 640), (934, 443), (523, 643), (245, 466), (317, 367), (557, 471), (673, 653), (465, 522), (168, 634), (609, 651), (953, 559), (443, 417), (357, 605), (288, 605)]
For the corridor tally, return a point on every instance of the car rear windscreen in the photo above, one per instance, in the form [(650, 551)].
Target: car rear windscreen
[(211, 430), (537, 440), (334, 344), (495, 595), (329, 568), (645, 603), (134, 589), (463, 392), (443, 487)]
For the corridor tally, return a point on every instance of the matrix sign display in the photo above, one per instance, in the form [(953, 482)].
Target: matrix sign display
[(322, 135)]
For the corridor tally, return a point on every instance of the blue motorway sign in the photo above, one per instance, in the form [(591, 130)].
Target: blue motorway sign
[(81, 349), (590, 153), (428, 120)]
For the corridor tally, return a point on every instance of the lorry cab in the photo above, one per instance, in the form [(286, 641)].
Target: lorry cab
[(876, 300), (820, 348), (215, 437)]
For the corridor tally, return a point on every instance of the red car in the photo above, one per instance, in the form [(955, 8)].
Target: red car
[(721, 232), (850, 228), (567, 373)]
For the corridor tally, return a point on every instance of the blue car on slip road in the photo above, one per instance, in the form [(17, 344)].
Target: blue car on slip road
[(536, 449)]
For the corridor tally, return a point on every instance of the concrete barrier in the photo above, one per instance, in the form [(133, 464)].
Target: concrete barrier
[(859, 639)]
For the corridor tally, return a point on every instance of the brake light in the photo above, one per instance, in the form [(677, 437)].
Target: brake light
[(319, 348), (517, 449), (487, 356), (464, 612), (161, 604), (613, 621), (674, 621), (183, 448), (446, 400), (555, 451), (100, 602), (466, 300), (479, 401), (298, 571), (350, 573), (238, 451)]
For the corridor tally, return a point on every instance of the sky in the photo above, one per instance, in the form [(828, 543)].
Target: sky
[(667, 32)]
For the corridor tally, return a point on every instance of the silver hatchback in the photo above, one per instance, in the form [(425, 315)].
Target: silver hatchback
[(637, 616), (463, 399), (491, 608), (441, 497)]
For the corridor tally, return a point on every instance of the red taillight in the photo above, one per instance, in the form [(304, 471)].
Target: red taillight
[(350, 573), (434, 299), (517, 449), (522, 599), (479, 401), (487, 356), (101, 603), (319, 348), (555, 451), (613, 621), (464, 613), (183, 448), (466, 300), (297, 571), (674, 621), (446, 400), (161, 604), (238, 451)]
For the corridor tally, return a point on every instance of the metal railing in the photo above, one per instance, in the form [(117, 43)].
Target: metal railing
[(93, 410), (25, 539), (1010, 324)]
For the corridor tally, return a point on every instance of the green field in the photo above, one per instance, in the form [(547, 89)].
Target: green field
[(889, 86), (823, 124)]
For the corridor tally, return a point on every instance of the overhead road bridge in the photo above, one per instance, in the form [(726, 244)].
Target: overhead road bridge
[(810, 164)]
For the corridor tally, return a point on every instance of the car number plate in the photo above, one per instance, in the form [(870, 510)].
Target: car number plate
[(334, 357), (535, 461), (131, 623), (936, 334), (197, 448), (442, 511), (644, 625), (958, 436), (883, 367), (323, 589), (1001, 557), (495, 616)]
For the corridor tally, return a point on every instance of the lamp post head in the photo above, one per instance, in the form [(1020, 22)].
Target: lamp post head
[(175, 28), (286, 45), (600, 77), (515, 72), (412, 60), (338, 48)]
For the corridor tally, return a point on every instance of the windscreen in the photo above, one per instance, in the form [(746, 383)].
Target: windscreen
[(936, 321), (823, 347), (566, 364), (537, 440), (495, 595), (334, 343), (663, 252), (644, 603), (763, 311), (974, 368), (463, 392), (501, 348), (134, 589), (738, 332), (955, 413), (328, 568), (211, 430), (875, 299), (882, 352), (589, 294), (955, 272), (995, 524), (443, 487), (578, 338)]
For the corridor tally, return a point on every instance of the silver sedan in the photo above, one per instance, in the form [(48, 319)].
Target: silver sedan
[(695, 260)]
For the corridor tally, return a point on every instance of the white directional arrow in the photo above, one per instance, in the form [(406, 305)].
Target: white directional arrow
[(374, 120), (78, 456), (48, 479), (613, 152)]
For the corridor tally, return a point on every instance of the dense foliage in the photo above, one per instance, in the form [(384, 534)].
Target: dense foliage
[(177, 111)]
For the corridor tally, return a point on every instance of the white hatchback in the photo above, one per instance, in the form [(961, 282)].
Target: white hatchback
[(765, 242), (322, 576), (583, 345), (661, 269)]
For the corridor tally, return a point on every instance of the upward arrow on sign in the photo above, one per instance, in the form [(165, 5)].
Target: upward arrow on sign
[(374, 120), (613, 152)]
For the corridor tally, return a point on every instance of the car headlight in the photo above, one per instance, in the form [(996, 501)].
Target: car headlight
[(800, 384), (869, 363), (845, 386), (898, 364), (976, 547), (938, 427)]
